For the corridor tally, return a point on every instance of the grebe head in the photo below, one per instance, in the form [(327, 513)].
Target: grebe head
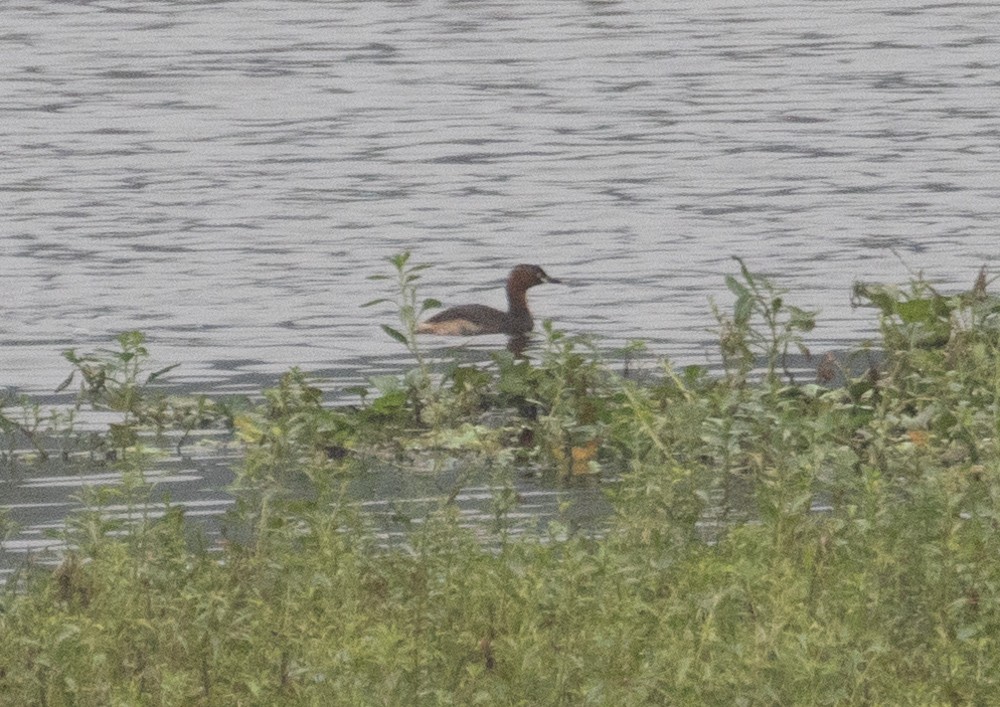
[(524, 276)]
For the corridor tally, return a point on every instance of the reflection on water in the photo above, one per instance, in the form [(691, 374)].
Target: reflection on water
[(225, 178), (395, 500), (39, 502)]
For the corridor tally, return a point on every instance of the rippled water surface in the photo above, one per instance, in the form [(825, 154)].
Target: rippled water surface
[(224, 176)]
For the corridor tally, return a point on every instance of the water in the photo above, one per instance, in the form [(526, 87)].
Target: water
[(394, 501), (225, 176)]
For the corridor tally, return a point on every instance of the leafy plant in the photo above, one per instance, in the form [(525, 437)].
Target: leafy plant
[(114, 380), (409, 307), (25, 421), (771, 543), (758, 298), (117, 381)]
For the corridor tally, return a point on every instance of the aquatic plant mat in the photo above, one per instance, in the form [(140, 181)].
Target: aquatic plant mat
[(771, 543)]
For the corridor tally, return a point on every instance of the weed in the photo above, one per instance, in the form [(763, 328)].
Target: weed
[(409, 309), (772, 543), (741, 343)]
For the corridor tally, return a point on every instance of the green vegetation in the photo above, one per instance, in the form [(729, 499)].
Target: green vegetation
[(773, 542)]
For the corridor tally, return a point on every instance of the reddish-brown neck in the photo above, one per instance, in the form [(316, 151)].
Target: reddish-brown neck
[(517, 288)]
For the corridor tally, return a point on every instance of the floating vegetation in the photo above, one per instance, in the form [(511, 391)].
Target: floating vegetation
[(851, 557)]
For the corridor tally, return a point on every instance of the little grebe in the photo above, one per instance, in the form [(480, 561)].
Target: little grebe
[(468, 319)]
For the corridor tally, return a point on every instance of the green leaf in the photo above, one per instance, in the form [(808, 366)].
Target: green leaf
[(879, 296), (163, 371), (122, 436), (399, 260), (917, 311), (743, 308), (967, 632), (429, 303), (380, 300), (131, 339), (390, 403), (360, 390), (69, 379), (736, 287), (394, 333), (385, 384), (744, 270), (801, 319)]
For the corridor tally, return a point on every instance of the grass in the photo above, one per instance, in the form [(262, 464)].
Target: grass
[(772, 542)]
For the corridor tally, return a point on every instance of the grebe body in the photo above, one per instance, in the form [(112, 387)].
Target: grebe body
[(474, 319)]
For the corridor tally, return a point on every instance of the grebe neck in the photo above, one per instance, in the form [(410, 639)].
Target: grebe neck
[(517, 301)]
